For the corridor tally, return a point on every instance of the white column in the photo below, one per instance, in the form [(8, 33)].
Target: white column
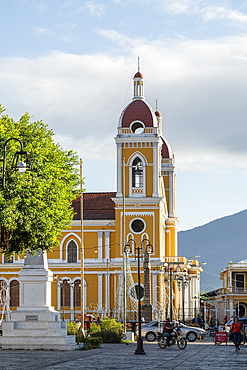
[(119, 170), (154, 275), (100, 291), (100, 244), (85, 295), (115, 284), (230, 281), (106, 295), (71, 303), (8, 302), (171, 193), (107, 245), (231, 308), (58, 296), (155, 170)]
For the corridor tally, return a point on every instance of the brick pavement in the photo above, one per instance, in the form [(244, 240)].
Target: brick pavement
[(199, 356)]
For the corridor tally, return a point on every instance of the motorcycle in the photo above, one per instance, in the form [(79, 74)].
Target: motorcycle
[(164, 341)]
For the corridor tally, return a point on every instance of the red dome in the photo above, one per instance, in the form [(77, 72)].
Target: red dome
[(138, 110), (158, 114), (166, 150), (138, 74)]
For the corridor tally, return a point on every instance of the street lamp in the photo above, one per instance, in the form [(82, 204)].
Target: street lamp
[(16, 165), (182, 278), (195, 299), (138, 251)]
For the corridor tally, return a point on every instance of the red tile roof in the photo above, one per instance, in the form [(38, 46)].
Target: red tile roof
[(139, 110), (96, 206)]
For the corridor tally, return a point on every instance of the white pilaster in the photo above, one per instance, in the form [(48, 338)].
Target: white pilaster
[(155, 170), (8, 302), (231, 308), (154, 276), (71, 303), (106, 295), (100, 244), (107, 245), (119, 170), (171, 193), (58, 296), (100, 302)]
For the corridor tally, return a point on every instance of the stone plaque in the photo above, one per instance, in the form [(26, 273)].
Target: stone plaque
[(31, 318)]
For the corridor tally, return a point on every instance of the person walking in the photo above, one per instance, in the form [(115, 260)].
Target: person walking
[(236, 327)]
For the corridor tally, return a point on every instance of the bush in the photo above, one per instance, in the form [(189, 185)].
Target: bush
[(95, 342), (110, 330), (79, 337), (71, 328)]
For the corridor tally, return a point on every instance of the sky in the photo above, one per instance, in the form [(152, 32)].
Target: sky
[(71, 63)]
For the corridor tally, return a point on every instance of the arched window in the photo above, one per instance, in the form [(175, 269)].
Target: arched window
[(137, 173), (78, 293), (72, 252), (65, 293), (14, 293)]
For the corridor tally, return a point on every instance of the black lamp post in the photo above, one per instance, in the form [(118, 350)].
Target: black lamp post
[(138, 251), (16, 165), (182, 281)]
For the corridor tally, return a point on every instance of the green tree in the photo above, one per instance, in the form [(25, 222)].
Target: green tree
[(35, 206)]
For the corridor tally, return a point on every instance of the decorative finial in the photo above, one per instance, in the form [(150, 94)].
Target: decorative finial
[(138, 64), (156, 105)]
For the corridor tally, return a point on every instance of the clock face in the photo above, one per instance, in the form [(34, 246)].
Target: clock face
[(137, 226)]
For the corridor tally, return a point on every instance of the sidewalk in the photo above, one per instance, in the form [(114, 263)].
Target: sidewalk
[(201, 356)]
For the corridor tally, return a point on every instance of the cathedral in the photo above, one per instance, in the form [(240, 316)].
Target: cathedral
[(142, 212)]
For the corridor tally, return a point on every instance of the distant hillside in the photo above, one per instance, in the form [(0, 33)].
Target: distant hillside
[(217, 242)]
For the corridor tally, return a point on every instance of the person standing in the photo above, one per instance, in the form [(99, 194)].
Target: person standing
[(236, 327)]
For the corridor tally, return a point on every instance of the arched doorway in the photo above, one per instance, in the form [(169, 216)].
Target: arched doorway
[(240, 310)]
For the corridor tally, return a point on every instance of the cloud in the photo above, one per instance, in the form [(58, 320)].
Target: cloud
[(202, 8), (95, 9), (43, 31), (200, 84), (56, 35), (213, 12)]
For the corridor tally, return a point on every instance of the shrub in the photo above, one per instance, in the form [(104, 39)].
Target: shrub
[(71, 328), (79, 337), (95, 342), (110, 330)]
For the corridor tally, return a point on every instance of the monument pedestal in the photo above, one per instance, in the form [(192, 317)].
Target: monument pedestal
[(35, 324)]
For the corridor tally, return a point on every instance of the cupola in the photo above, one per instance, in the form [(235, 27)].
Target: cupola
[(138, 84)]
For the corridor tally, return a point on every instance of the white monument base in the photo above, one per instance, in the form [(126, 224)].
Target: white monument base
[(35, 324)]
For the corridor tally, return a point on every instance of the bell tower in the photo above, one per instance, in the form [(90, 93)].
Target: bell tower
[(148, 175)]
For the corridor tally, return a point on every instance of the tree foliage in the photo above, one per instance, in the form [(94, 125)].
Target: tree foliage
[(35, 206)]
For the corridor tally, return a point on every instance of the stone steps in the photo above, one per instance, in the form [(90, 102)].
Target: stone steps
[(37, 341)]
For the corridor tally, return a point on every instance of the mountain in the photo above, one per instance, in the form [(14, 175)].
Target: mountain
[(218, 242)]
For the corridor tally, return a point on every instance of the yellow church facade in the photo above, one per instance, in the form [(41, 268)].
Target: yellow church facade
[(141, 211)]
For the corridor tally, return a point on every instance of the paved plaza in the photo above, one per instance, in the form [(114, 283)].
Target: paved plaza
[(200, 356)]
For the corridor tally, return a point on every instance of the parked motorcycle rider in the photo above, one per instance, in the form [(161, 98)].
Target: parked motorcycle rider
[(168, 328)]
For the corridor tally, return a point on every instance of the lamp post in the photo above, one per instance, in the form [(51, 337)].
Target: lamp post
[(21, 166), (182, 281), (138, 251), (195, 299)]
